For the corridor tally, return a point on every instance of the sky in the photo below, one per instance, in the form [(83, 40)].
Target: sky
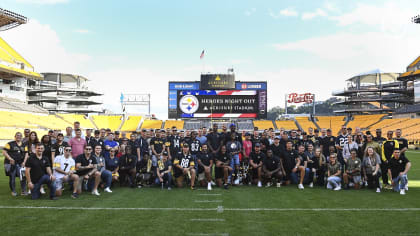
[(136, 46)]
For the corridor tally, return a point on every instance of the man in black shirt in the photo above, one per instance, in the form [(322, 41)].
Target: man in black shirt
[(276, 148), (57, 149), (205, 163), (232, 131), (195, 145), (398, 169), (97, 140), (38, 172), (305, 140), (128, 167), (256, 162), (164, 170), (86, 168), (288, 157), (272, 168), (158, 146), (327, 142), (388, 147), (214, 141), (403, 143), (174, 143), (295, 139)]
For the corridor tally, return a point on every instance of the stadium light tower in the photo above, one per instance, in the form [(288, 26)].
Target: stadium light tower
[(416, 19)]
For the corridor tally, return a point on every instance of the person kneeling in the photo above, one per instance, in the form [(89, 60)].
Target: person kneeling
[(223, 167), (272, 168), (398, 167), (64, 167), (128, 167), (184, 166), (334, 173), (86, 167), (353, 168), (164, 171), (205, 163)]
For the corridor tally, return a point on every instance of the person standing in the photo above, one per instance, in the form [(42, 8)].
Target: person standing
[(77, 144), (388, 147), (38, 172), (14, 160)]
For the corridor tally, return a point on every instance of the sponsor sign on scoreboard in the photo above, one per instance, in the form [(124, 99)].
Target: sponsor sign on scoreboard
[(217, 81), (247, 100)]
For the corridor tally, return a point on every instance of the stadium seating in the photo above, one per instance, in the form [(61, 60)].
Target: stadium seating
[(105, 121), (152, 124), (331, 122), (363, 121), (131, 123), (387, 123), (263, 124), (305, 123), (85, 123), (245, 125), (179, 124), (192, 125), (286, 124)]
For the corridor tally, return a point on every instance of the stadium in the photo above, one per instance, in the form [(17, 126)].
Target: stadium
[(53, 103)]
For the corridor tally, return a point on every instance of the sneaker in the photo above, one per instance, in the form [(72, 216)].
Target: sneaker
[(406, 187), (268, 185), (95, 192), (192, 188), (300, 186), (259, 184), (108, 190), (378, 190), (402, 191), (337, 188), (278, 185), (14, 194), (42, 190), (236, 182), (226, 186), (351, 184), (213, 183), (311, 185), (209, 186), (169, 188), (54, 198), (29, 191), (74, 195)]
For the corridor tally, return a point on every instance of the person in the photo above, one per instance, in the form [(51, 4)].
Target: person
[(77, 144), (46, 141), (205, 164), (143, 145), (202, 138), (328, 141), (89, 138), (320, 165), (195, 145), (334, 173), (387, 150), (38, 172), (223, 167), (110, 143), (76, 126), (128, 167), (306, 140), (26, 133), (256, 162), (311, 163), (164, 170), (272, 169), (300, 167), (246, 147), (232, 131), (214, 140), (340, 143), (97, 140), (288, 157), (106, 175), (402, 142), (112, 164), (371, 168), (233, 148), (276, 147), (174, 143), (64, 172), (86, 166), (184, 165), (68, 136), (15, 160), (398, 167), (348, 147), (157, 145), (32, 141), (371, 143), (295, 139), (57, 149), (352, 170)]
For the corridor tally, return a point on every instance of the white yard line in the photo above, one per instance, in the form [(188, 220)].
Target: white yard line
[(209, 234), (207, 220), (220, 208), (209, 194), (207, 201)]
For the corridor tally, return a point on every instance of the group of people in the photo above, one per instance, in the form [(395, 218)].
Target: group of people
[(206, 157)]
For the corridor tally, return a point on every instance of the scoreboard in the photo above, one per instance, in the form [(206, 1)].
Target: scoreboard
[(243, 100)]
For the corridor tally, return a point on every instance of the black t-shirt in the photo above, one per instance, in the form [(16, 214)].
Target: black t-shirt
[(277, 150), (223, 157), (157, 144), (295, 141), (257, 157), (58, 148), (302, 157), (15, 151), (237, 137), (271, 163), (47, 151), (205, 158), (128, 161), (85, 162), (38, 167), (213, 140), (289, 159), (341, 140), (95, 142), (326, 142), (403, 143), (164, 165), (185, 161), (174, 144), (195, 146), (306, 142), (397, 166)]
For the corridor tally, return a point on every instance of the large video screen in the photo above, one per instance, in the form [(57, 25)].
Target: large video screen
[(248, 100)]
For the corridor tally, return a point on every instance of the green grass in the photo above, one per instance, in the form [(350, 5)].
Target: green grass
[(235, 201)]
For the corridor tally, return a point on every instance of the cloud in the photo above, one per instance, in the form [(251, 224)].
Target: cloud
[(284, 12), (250, 11), (82, 31), (43, 2), (310, 15), (41, 46)]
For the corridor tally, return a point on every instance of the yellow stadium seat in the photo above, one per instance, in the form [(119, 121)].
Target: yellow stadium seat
[(104, 121), (152, 124), (286, 124), (131, 123), (263, 124), (305, 123), (331, 122), (179, 124)]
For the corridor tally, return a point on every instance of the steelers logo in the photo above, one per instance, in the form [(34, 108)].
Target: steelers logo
[(188, 104)]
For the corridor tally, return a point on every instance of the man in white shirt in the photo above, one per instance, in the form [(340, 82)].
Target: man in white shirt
[(64, 167)]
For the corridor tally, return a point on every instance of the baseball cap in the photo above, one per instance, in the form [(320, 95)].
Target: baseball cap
[(232, 125), (257, 145), (165, 153), (186, 145), (247, 134), (277, 137)]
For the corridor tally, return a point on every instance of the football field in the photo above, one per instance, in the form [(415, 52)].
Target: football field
[(238, 211)]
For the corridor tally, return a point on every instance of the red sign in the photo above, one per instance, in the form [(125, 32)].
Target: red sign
[(299, 98)]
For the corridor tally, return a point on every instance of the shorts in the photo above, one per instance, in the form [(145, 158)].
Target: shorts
[(59, 183), (356, 178)]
